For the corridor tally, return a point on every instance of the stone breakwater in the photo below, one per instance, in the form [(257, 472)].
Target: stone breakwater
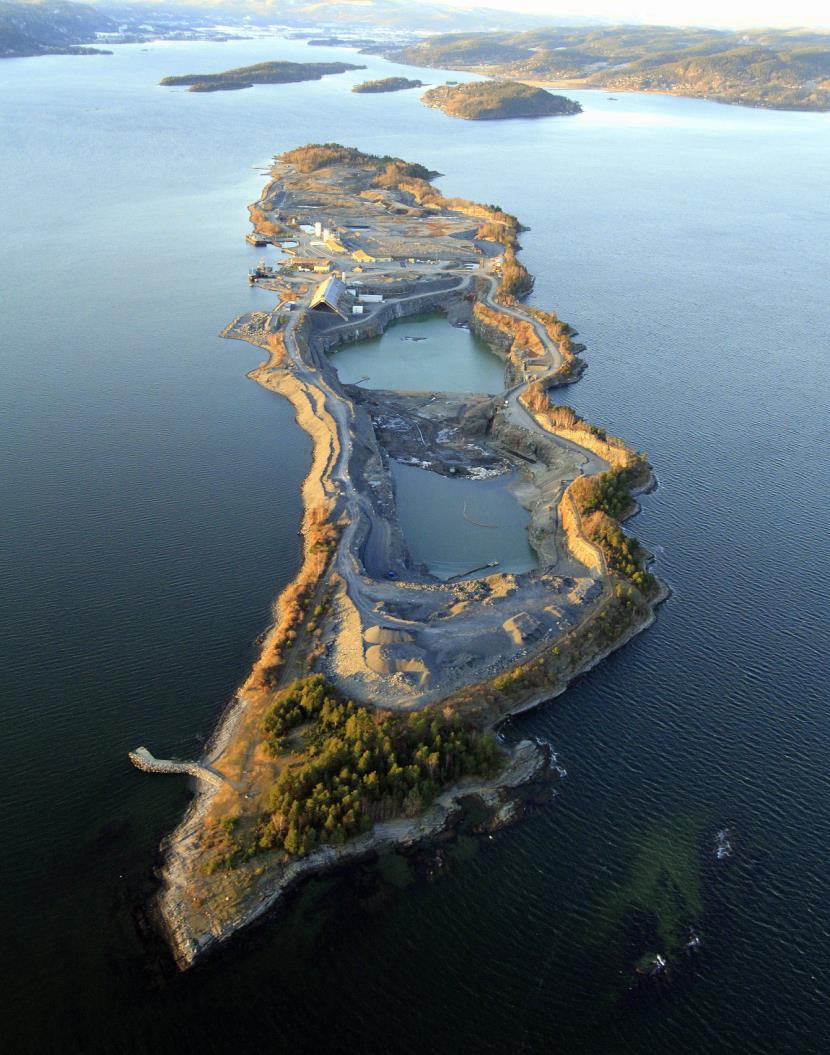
[(142, 759)]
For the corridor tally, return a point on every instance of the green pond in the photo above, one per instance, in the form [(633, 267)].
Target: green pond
[(422, 352), (455, 526)]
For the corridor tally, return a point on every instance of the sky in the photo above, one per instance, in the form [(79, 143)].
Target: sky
[(738, 13)]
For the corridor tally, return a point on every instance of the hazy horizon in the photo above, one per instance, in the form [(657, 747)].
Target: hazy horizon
[(735, 14), (731, 13)]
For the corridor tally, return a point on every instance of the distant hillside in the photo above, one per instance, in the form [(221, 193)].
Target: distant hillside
[(261, 73), (321, 15), (498, 100), (48, 28), (788, 70)]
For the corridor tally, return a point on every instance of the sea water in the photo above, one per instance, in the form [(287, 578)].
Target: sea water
[(150, 509)]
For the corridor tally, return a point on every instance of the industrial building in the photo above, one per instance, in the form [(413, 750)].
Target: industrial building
[(331, 297)]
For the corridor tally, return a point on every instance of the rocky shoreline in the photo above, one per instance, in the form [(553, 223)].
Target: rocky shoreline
[(529, 767)]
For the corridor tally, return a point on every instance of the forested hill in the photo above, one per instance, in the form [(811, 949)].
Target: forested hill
[(47, 28), (779, 69), (498, 100)]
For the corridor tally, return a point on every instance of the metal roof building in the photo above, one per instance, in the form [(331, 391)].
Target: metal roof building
[(328, 296)]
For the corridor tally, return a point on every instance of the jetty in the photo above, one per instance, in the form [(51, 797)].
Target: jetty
[(142, 759)]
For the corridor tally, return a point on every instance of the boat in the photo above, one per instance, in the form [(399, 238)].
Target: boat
[(262, 270)]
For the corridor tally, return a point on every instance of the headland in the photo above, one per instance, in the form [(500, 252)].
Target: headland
[(779, 69)]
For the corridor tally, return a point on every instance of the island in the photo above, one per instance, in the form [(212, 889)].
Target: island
[(261, 73), (777, 69), (368, 722), (364, 44), (387, 84), (498, 101)]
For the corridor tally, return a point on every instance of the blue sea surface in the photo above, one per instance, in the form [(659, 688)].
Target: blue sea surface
[(149, 497)]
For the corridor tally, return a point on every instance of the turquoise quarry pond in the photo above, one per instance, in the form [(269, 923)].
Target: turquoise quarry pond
[(422, 351), (150, 503), (455, 526)]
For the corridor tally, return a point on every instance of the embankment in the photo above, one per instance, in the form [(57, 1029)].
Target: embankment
[(519, 341)]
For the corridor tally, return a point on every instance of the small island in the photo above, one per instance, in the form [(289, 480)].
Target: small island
[(498, 101), (261, 73), (388, 84), (361, 43), (367, 723)]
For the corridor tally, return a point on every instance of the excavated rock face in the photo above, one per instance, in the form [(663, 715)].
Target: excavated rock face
[(446, 436), (476, 419)]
